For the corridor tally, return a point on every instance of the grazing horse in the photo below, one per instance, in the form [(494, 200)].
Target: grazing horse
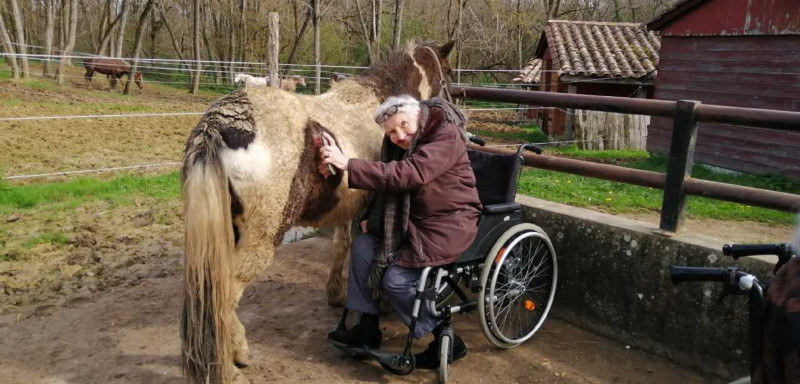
[(114, 68), (252, 169), (290, 84)]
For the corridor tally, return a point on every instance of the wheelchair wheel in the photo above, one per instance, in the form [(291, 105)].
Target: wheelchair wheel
[(444, 359), (519, 279)]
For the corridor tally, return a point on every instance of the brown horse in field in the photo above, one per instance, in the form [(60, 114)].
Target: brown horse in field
[(114, 68), (252, 169)]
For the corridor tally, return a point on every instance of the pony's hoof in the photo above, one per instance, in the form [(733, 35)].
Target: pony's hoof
[(336, 301), (239, 378)]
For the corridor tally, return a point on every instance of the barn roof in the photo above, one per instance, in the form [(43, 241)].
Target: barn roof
[(600, 49), (530, 73), (678, 10)]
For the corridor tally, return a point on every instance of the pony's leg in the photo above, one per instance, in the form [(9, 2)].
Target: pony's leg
[(241, 352), (335, 287), (88, 76)]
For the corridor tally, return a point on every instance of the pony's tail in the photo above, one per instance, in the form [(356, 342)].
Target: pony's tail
[(206, 347)]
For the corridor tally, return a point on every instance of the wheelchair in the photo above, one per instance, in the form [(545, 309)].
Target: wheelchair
[(510, 272)]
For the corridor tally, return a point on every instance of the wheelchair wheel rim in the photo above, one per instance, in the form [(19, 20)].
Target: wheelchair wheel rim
[(522, 288)]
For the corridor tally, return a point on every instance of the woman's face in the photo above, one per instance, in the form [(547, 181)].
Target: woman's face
[(401, 129)]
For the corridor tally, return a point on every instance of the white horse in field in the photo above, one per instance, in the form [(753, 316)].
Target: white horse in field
[(252, 169), (250, 81)]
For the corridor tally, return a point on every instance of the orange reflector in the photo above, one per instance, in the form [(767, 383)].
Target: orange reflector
[(499, 255), (530, 305)]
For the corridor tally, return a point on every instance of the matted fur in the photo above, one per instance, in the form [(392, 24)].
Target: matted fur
[(251, 145)]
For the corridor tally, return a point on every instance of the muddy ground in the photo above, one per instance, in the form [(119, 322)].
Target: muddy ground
[(128, 334)]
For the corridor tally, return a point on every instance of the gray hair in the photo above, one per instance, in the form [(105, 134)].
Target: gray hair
[(404, 104)]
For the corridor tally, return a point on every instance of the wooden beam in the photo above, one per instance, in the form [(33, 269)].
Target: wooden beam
[(679, 168), (273, 49)]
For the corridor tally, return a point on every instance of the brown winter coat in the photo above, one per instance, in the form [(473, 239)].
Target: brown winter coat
[(444, 204)]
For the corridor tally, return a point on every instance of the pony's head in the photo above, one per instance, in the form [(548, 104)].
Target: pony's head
[(238, 78), (433, 60), (420, 70), (299, 80), (139, 80)]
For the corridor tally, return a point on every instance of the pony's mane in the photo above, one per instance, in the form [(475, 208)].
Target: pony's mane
[(390, 75)]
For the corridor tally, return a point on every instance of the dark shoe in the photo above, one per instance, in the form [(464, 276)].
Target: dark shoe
[(364, 334), (429, 358)]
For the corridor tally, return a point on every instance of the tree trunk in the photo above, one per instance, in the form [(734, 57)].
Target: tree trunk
[(137, 46), (242, 31), (48, 36), (168, 24), (121, 35), (317, 67), (109, 32), (231, 43), (73, 26), (299, 37), (218, 69), (196, 35), (12, 59), (398, 23), (19, 29)]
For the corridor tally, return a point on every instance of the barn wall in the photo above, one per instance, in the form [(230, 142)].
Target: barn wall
[(742, 71), (737, 17)]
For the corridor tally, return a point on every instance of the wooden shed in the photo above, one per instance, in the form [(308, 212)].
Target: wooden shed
[(743, 53), (597, 58)]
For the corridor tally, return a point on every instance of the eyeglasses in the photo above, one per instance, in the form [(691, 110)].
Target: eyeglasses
[(391, 111)]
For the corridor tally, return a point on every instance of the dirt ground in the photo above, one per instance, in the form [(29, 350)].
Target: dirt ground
[(128, 334)]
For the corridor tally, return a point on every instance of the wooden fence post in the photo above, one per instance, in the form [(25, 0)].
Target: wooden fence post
[(679, 166), (274, 42)]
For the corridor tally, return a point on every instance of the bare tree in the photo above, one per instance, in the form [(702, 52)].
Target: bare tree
[(371, 33), (109, 32), (70, 39), (315, 15), (50, 14), (121, 34), (196, 36), (168, 24), (137, 49), (19, 29), (298, 37), (11, 58), (398, 23)]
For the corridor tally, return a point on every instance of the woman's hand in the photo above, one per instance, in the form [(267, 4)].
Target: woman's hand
[(331, 154)]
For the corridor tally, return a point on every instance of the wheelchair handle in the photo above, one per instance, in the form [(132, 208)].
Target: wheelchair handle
[(531, 147), (477, 140), (784, 251)]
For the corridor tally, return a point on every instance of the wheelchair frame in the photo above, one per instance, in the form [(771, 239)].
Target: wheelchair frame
[(500, 230)]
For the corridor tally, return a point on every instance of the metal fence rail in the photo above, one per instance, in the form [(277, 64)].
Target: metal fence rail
[(677, 182)]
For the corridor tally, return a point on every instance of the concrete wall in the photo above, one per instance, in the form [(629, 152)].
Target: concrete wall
[(614, 280)]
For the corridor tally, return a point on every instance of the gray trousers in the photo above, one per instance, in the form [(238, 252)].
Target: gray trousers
[(399, 287)]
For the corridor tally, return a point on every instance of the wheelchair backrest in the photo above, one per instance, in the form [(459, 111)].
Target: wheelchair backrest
[(496, 176)]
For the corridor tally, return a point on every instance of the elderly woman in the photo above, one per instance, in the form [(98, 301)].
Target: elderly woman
[(424, 212)]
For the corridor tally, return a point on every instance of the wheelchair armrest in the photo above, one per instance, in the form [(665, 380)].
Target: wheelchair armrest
[(495, 209)]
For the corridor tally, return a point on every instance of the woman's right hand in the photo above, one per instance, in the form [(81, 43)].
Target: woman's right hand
[(363, 226)]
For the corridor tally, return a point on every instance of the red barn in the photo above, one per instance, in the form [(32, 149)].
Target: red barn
[(743, 53)]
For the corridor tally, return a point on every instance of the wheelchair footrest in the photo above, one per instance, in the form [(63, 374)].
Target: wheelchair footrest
[(394, 363)]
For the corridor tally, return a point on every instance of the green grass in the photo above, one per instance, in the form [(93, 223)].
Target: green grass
[(530, 134), (70, 194), (46, 237), (625, 198), (624, 155)]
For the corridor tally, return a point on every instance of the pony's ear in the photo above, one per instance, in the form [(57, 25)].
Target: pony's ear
[(444, 50)]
